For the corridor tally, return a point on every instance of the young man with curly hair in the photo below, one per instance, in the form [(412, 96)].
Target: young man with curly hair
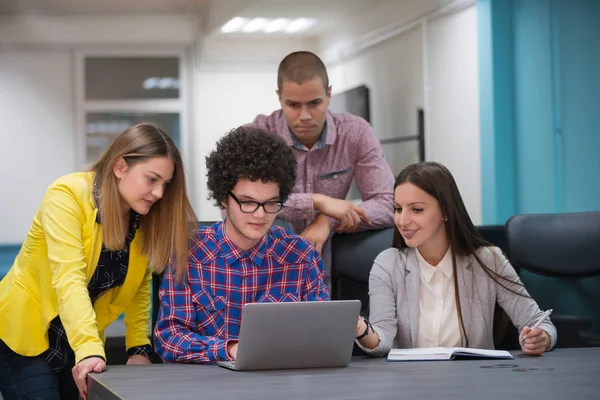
[(241, 260)]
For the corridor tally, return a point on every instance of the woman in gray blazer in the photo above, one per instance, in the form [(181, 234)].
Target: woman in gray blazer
[(439, 284)]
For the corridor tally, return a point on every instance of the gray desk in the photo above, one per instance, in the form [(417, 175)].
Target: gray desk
[(560, 374)]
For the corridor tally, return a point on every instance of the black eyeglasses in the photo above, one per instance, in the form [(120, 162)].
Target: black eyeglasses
[(250, 206)]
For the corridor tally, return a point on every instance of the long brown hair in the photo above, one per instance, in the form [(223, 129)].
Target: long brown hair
[(167, 227), (437, 181)]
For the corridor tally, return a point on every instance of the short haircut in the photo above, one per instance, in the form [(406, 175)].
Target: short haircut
[(253, 154), (299, 67)]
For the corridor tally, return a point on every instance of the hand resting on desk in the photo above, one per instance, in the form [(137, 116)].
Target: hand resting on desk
[(138, 359), (82, 369), (232, 349)]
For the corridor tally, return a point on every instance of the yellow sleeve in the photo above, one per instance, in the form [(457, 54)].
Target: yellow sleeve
[(62, 220), (137, 315)]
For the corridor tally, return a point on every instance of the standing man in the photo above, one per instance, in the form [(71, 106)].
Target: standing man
[(331, 149)]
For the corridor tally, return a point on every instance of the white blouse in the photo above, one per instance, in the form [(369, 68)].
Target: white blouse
[(438, 315)]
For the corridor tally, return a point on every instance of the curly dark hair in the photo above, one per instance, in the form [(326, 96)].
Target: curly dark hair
[(253, 154)]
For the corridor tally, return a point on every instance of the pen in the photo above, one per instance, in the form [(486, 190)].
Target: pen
[(539, 322)]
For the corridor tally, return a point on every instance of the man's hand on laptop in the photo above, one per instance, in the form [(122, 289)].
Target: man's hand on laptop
[(347, 214), (232, 349), (317, 232)]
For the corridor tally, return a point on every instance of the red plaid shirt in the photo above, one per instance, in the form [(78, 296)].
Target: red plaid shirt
[(199, 316)]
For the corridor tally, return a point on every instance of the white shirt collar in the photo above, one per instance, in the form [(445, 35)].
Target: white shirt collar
[(445, 265)]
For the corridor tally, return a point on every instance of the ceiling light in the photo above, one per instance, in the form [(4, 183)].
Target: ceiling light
[(299, 25), (234, 25), (257, 24), (267, 25), (276, 25)]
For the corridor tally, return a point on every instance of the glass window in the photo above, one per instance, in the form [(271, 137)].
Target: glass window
[(102, 128), (131, 78)]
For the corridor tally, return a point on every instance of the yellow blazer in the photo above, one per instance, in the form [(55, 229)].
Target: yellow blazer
[(51, 273)]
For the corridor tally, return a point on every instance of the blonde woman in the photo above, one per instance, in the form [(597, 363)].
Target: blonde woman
[(87, 258)]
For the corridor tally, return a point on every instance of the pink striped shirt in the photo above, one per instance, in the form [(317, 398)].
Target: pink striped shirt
[(347, 149)]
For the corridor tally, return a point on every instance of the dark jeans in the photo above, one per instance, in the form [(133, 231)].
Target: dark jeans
[(32, 378)]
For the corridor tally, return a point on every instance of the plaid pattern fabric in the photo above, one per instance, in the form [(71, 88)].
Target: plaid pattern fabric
[(110, 272), (200, 315)]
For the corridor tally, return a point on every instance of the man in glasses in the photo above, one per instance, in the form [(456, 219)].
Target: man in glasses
[(244, 259)]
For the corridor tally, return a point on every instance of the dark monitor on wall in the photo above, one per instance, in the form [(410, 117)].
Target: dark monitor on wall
[(354, 101)]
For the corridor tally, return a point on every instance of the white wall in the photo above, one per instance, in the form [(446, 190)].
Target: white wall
[(37, 135), (453, 94), (38, 101), (426, 57), (396, 90), (235, 80), (375, 21)]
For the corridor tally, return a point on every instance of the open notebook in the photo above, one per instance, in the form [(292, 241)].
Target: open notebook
[(445, 353)]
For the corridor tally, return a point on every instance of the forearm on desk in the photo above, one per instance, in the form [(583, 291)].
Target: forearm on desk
[(382, 303), (191, 347)]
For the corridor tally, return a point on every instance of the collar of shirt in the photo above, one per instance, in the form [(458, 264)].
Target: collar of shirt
[(327, 136), (427, 270), (232, 253)]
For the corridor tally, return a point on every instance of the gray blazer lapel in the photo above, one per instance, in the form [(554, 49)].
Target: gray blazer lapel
[(411, 281), (464, 273)]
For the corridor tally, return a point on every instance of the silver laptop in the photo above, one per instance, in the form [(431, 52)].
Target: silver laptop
[(308, 334)]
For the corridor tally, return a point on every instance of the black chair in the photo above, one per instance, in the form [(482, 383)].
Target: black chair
[(352, 257), (565, 246), (506, 336), (496, 235)]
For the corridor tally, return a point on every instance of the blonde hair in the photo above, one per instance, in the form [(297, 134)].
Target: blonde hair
[(167, 227)]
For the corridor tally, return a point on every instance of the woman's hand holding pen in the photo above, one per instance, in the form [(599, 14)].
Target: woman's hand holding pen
[(536, 342), (533, 340)]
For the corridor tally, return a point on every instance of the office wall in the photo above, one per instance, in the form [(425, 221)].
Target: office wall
[(453, 102), (393, 72), (37, 135), (38, 98), (425, 58), (541, 94), (540, 102), (577, 33)]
